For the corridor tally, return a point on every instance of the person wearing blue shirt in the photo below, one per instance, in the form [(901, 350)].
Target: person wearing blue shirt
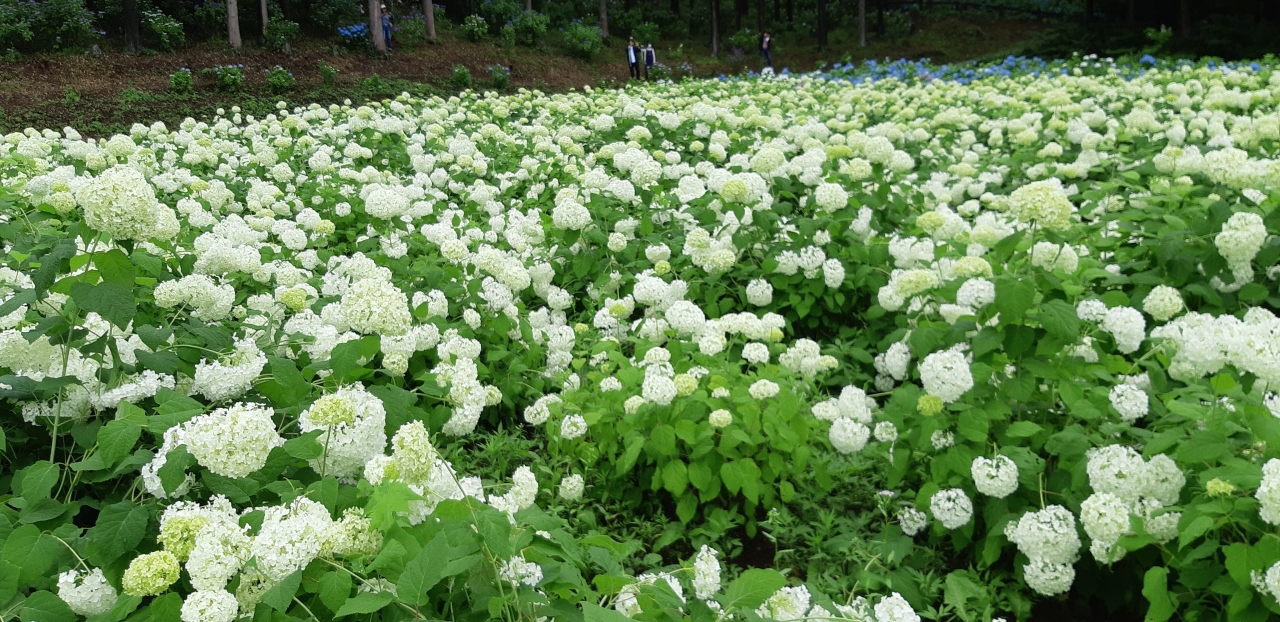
[(386, 27)]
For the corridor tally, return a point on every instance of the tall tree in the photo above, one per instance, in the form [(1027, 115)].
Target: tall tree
[(528, 6), (759, 15), (862, 23), (715, 27), (233, 24), (604, 18), (822, 24), (375, 26), (263, 5), (132, 37), (740, 7), (1184, 19), (777, 11), (675, 8), (791, 11), (429, 10)]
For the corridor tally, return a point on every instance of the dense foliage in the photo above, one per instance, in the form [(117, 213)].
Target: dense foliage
[(959, 342)]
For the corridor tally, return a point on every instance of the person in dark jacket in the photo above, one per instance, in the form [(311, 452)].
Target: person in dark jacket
[(650, 58), (766, 49), (633, 59)]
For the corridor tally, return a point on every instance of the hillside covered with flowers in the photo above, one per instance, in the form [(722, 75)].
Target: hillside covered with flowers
[(884, 343)]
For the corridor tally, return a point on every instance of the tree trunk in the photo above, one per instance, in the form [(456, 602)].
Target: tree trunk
[(132, 36), (675, 8), (822, 24), (263, 5), (528, 6), (627, 5), (880, 18), (1133, 11), (375, 26), (233, 24), (862, 23), (429, 10), (759, 16), (777, 11), (715, 28), (604, 18), (1184, 19), (791, 11), (1089, 8)]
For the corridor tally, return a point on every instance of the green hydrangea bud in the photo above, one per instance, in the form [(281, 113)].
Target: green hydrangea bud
[(150, 574), (929, 405)]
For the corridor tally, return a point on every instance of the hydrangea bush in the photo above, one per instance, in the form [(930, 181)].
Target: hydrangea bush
[(243, 359)]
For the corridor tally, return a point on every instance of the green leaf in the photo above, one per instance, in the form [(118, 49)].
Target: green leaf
[(675, 477), (1155, 587), (38, 480), (423, 572), (1253, 292), (113, 302), (116, 439), (365, 603), (1013, 298), (335, 589), (46, 607), (156, 337), (51, 266), (592, 612), (663, 439), (29, 551), (287, 386), (281, 595), (1023, 429), (1193, 530), (687, 507), (1060, 319), (751, 589), (174, 471), (163, 362), (700, 475), (119, 529), (114, 267), (305, 447)]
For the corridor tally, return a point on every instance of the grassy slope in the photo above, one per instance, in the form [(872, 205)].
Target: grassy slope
[(105, 94)]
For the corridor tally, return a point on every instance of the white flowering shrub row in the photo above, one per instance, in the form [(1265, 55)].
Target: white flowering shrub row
[(242, 359)]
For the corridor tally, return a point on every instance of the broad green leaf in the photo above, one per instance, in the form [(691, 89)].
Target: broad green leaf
[(423, 572), (174, 471), (1013, 298), (279, 596), (365, 603), (30, 551), (592, 612), (1022, 429), (38, 480), (115, 267), (675, 477), (119, 529), (1059, 319), (1155, 587), (116, 439), (46, 607), (335, 589), (113, 302), (751, 589)]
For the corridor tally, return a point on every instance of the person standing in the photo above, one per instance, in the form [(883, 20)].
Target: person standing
[(766, 49), (633, 59), (386, 26), (650, 58)]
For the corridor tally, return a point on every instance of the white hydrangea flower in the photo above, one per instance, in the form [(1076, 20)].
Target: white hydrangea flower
[(235, 441), (946, 375), (951, 507), (86, 593), (706, 573), (995, 477)]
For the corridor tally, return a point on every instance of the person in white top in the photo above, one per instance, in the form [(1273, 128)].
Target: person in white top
[(650, 58), (766, 49)]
